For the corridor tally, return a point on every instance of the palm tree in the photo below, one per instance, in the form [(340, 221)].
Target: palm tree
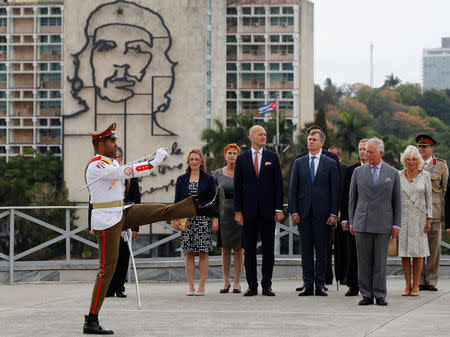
[(391, 81), (350, 131)]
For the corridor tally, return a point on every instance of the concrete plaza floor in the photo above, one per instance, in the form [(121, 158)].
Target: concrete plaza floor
[(57, 309)]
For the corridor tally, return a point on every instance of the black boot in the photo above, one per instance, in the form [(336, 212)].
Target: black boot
[(92, 327), (211, 209)]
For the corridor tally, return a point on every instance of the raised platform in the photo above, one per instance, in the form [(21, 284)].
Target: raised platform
[(157, 269)]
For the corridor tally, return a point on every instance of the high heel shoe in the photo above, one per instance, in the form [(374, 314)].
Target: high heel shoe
[(236, 291), (225, 290)]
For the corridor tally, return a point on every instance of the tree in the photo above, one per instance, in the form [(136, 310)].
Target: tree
[(350, 131), (436, 104), (351, 105), (373, 99), (391, 81), (410, 94)]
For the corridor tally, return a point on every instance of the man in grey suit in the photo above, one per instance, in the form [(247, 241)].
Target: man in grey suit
[(375, 210)]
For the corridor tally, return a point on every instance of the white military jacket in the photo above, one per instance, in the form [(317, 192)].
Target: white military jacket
[(110, 189)]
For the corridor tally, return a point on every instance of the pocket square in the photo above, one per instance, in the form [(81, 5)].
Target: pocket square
[(387, 180), (267, 163)]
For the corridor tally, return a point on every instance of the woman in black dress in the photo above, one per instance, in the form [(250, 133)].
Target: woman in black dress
[(198, 236), (230, 233)]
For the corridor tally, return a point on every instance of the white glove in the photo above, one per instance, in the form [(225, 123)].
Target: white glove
[(161, 154)]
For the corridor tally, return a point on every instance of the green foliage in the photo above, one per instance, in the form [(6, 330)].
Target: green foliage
[(350, 131), (410, 94), (436, 104), (26, 181)]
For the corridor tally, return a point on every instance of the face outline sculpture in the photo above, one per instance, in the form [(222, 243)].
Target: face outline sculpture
[(126, 52)]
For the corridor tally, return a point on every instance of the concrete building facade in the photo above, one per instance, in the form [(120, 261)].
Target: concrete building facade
[(436, 66), (31, 68), (270, 53)]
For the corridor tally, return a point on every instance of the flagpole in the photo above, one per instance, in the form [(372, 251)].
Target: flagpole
[(278, 126)]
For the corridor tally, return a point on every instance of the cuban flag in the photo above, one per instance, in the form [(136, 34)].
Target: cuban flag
[(270, 107)]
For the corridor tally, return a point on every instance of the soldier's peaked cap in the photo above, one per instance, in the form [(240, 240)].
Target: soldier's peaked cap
[(425, 140), (109, 132)]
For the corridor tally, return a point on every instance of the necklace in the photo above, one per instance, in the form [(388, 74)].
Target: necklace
[(408, 177)]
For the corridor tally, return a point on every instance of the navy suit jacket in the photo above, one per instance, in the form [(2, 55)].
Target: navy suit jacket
[(320, 196), (206, 188), (262, 195)]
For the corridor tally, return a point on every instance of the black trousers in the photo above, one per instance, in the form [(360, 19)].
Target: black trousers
[(352, 262), (314, 236), (120, 273), (265, 227)]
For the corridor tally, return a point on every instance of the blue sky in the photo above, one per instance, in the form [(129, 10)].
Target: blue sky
[(399, 29)]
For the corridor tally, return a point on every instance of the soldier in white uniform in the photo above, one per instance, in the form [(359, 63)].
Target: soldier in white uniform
[(110, 216), (439, 176)]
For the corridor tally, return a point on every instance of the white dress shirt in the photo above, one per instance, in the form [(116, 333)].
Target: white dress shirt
[(428, 161)]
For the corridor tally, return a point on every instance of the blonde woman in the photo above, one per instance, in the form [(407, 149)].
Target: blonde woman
[(197, 239), (416, 217)]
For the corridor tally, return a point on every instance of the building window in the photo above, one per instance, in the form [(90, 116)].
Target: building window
[(50, 105), (231, 11), (288, 10), (259, 38), (287, 94), (55, 94), (231, 94), (3, 11), (55, 149), (231, 106), (231, 66), (51, 50), (56, 66), (50, 133), (3, 22), (252, 21), (246, 38), (231, 38), (55, 39), (43, 94), (252, 105), (43, 11), (50, 77), (288, 38), (55, 122), (287, 66), (246, 66), (51, 22), (286, 105), (247, 10), (274, 38), (3, 50), (231, 22), (246, 94), (55, 11), (43, 39), (274, 66), (260, 11), (275, 10), (258, 94), (258, 66)]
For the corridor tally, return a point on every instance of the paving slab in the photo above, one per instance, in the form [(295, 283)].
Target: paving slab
[(57, 309)]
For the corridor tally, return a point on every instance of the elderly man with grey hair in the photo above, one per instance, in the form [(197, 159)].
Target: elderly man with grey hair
[(375, 211)]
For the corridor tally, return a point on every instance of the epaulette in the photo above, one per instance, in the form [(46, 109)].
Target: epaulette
[(435, 160), (96, 158)]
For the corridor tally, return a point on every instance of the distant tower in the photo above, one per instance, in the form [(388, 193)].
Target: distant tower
[(371, 64)]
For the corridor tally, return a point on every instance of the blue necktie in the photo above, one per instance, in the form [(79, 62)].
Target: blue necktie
[(312, 168)]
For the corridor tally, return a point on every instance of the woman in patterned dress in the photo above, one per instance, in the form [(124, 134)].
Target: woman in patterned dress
[(416, 217), (230, 233), (197, 239)]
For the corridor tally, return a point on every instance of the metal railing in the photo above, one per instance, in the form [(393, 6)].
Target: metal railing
[(67, 234)]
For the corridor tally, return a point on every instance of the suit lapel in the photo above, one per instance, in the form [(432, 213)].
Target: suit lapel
[(305, 164), (320, 167), (381, 180)]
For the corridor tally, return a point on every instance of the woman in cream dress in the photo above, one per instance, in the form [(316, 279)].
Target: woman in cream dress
[(416, 217)]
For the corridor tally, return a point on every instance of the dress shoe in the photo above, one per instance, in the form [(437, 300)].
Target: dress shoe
[(268, 292), (225, 290), (366, 301), (320, 292), (236, 291), (300, 288), (306, 292), (423, 287), (92, 327), (121, 294), (251, 292), (352, 292), (109, 294), (432, 288), (381, 301), (325, 288), (211, 209)]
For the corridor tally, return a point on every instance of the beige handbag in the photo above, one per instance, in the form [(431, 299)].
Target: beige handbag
[(183, 224), (393, 247)]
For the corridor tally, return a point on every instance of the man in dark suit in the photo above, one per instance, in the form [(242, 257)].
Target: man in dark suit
[(258, 205), (375, 211), (351, 257), (335, 157), (313, 204)]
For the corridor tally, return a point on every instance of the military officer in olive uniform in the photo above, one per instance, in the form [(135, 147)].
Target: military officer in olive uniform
[(439, 177), (106, 182)]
